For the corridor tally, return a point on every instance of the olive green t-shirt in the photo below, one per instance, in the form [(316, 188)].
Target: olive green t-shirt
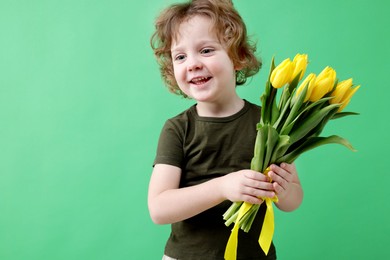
[(205, 148)]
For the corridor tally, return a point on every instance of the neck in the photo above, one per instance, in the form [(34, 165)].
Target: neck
[(220, 109)]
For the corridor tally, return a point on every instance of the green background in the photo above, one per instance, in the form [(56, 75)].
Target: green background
[(82, 105)]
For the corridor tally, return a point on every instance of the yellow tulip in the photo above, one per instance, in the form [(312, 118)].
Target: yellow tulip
[(340, 91), (323, 84), (281, 75), (300, 63), (310, 79), (343, 93)]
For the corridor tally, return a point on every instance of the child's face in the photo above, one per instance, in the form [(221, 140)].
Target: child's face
[(203, 70)]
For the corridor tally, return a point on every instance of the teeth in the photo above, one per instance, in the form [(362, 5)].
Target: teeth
[(199, 79)]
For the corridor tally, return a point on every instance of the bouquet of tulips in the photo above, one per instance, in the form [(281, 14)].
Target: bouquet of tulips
[(290, 124)]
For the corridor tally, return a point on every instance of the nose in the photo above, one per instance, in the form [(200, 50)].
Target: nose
[(193, 63)]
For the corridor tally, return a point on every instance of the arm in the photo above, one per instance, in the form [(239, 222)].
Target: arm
[(168, 203), (287, 186)]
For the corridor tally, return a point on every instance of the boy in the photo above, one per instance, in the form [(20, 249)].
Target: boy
[(204, 153)]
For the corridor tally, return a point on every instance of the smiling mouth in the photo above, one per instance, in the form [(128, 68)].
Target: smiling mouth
[(200, 80)]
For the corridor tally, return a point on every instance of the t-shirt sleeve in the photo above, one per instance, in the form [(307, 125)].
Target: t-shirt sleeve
[(170, 145)]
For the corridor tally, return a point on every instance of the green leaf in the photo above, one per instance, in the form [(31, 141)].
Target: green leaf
[(316, 131), (281, 147), (308, 111), (268, 101), (272, 67), (343, 114), (267, 97), (264, 109), (275, 110), (294, 112), (282, 115), (312, 143), (272, 139), (311, 122), (260, 148), (286, 95), (316, 104)]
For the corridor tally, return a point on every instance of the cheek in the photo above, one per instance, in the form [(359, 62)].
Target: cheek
[(223, 66), (178, 73), (180, 77)]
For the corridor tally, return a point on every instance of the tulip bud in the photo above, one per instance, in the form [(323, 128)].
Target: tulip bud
[(309, 81), (343, 93), (324, 84), (300, 63), (341, 89), (281, 75)]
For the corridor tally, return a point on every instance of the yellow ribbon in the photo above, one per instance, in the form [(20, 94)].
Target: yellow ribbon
[(231, 247), (267, 230)]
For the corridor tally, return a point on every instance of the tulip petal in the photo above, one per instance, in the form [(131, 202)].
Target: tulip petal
[(281, 75), (300, 63), (308, 82), (339, 93), (324, 83), (348, 97)]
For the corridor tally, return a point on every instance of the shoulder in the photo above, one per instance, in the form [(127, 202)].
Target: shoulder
[(185, 115), (178, 124), (182, 118), (252, 111), (252, 106)]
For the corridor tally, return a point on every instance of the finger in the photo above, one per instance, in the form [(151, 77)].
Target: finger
[(279, 180), (282, 172), (261, 193), (256, 176), (264, 193), (278, 188), (253, 186), (288, 167), (252, 200)]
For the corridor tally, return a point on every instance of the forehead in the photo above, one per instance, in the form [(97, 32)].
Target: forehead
[(198, 24)]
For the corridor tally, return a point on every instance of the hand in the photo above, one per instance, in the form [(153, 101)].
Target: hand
[(247, 185), (282, 176)]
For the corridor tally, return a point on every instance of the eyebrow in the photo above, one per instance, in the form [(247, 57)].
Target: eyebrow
[(201, 43)]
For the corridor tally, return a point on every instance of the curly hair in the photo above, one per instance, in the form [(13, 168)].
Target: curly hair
[(228, 25)]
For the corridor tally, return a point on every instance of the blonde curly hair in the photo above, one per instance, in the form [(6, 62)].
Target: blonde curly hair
[(228, 25)]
